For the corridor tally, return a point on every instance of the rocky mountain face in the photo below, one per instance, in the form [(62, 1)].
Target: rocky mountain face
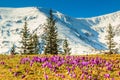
[(85, 35)]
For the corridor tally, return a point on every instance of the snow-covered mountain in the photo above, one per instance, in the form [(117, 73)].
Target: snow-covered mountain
[(85, 35)]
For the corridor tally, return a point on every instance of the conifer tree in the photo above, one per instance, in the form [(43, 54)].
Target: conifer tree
[(30, 46), (51, 34), (110, 41), (12, 52), (35, 44), (66, 47), (26, 42)]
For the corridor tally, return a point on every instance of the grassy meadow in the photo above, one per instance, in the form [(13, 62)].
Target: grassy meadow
[(60, 67)]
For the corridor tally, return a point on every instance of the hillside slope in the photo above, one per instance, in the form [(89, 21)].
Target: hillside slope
[(85, 35)]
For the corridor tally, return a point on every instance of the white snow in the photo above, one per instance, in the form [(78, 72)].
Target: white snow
[(85, 35)]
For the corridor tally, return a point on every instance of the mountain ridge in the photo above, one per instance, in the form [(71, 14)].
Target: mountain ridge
[(85, 35)]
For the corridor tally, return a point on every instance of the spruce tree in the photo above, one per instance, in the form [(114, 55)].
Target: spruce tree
[(66, 47), (12, 52), (30, 46), (110, 39), (51, 34), (26, 42), (35, 44)]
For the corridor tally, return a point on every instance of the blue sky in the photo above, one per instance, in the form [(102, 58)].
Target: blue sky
[(74, 8)]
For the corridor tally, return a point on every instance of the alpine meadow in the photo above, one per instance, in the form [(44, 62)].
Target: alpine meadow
[(39, 43)]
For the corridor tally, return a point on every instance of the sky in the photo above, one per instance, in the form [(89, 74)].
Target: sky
[(74, 8)]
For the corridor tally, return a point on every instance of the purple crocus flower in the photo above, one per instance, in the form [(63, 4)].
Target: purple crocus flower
[(15, 74), (85, 63), (62, 76), (83, 58), (46, 77), (24, 60), (109, 68), (90, 77), (97, 61), (44, 64), (2, 63), (74, 75), (31, 62), (23, 76), (68, 69), (82, 76), (119, 73), (59, 64), (43, 59), (107, 75), (107, 64), (112, 79), (49, 65), (37, 59)]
